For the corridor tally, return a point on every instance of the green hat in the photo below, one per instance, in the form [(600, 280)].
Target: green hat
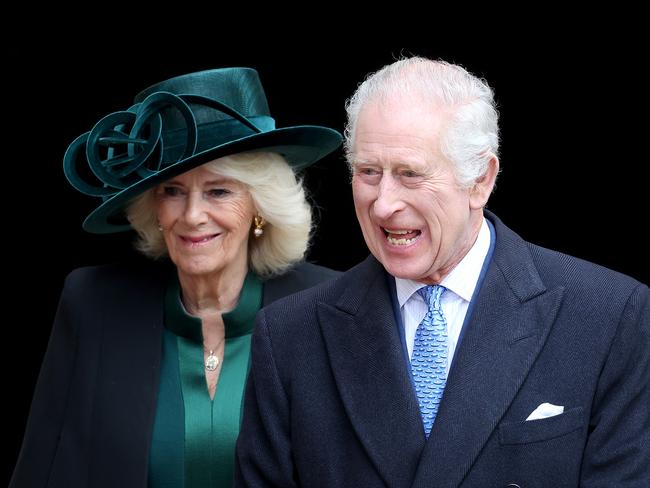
[(175, 126)]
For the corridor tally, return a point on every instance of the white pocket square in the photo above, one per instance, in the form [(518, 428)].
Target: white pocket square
[(545, 410)]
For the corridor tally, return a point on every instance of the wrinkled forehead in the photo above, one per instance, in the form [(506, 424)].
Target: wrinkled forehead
[(399, 128)]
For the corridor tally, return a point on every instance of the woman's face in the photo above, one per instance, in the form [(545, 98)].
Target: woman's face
[(206, 221)]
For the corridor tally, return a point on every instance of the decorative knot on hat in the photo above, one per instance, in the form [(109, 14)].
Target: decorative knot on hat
[(128, 146)]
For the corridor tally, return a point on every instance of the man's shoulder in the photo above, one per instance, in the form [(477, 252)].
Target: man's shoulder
[(555, 268), (573, 273)]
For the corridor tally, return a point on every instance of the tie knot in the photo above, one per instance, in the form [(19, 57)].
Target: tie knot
[(431, 295)]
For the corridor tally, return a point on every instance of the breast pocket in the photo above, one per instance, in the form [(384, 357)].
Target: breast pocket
[(541, 429)]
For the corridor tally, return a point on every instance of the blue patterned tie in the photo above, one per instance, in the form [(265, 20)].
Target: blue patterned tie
[(429, 360)]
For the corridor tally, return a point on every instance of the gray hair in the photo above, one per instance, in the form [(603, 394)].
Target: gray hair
[(471, 137), (278, 195)]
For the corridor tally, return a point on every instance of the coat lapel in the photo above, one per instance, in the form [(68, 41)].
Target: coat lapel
[(366, 358), (509, 325)]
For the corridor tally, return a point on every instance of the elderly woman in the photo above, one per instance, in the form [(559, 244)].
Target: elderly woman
[(143, 377)]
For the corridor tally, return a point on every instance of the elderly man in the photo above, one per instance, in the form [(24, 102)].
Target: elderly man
[(457, 354)]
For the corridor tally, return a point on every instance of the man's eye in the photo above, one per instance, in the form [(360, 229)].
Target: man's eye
[(409, 174)]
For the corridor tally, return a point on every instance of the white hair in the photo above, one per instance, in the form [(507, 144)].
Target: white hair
[(279, 198), (471, 137)]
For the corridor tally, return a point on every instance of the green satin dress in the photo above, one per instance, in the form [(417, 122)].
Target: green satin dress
[(193, 442)]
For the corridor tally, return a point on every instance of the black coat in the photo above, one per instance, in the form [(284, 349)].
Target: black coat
[(329, 401), (92, 414)]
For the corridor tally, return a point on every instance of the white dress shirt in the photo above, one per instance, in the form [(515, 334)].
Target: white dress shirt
[(460, 284)]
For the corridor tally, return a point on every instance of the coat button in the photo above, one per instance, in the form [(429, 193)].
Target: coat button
[(512, 485)]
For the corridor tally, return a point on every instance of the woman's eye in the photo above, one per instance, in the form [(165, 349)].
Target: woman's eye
[(218, 192), (171, 191), (409, 174)]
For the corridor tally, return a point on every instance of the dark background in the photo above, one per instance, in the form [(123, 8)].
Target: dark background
[(573, 161)]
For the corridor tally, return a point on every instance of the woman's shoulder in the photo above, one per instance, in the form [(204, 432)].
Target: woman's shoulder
[(298, 278), (314, 272), (129, 275)]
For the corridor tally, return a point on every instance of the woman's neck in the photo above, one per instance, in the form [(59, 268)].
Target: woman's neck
[(207, 295)]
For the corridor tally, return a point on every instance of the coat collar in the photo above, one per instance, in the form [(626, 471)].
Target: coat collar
[(509, 325), (511, 320), (366, 357)]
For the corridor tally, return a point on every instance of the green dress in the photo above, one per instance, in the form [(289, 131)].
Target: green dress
[(193, 442)]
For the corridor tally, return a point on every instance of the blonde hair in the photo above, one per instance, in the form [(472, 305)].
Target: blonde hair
[(279, 198)]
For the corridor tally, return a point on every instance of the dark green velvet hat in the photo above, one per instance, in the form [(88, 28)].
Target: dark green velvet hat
[(177, 125)]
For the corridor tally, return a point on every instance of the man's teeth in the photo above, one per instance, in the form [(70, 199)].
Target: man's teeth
[(400, 241)]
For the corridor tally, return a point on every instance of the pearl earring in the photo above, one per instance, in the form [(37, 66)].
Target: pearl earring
[(259, 223)]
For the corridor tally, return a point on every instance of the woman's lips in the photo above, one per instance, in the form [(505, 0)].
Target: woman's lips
[(198, 240)]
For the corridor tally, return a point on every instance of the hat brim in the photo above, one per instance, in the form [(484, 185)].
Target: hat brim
[(301, 146)]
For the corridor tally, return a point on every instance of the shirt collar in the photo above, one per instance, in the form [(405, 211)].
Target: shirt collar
[(462, 279)]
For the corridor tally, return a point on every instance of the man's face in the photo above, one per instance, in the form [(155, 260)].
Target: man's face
[(416, 220)]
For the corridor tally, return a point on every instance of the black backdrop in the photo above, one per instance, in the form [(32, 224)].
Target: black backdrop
[(572, 163)]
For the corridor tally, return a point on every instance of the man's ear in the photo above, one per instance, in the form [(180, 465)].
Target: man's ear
[(480, 192)]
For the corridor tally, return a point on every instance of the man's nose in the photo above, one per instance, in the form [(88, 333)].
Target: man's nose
[(389, 198)]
